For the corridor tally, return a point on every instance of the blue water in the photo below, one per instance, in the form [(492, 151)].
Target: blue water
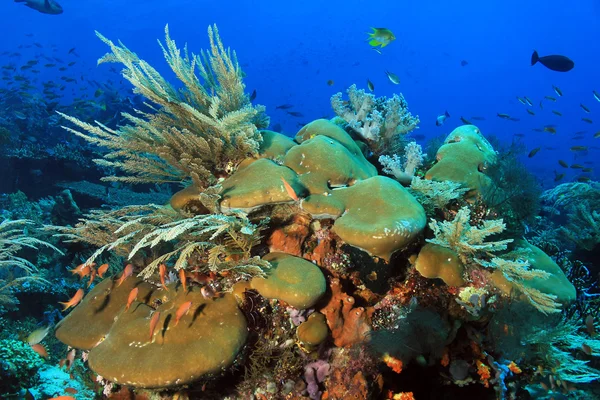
[(290, 50)]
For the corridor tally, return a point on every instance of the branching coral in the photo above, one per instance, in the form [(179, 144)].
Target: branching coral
[(200, 131), (14, 236), (436, 194), (381, 121), (403, 168), (466, 240)]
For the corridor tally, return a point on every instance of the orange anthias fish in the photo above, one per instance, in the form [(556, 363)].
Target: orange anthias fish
[(82, 270), (74, 300), (126, 274), (132, 295), (182, 310), (183, 279), (40, 349), (162, 268), (154, 322), (102, 270), (290, 190), (92, 277)]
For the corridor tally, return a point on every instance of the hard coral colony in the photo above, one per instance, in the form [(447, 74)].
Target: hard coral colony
[(306, 267)]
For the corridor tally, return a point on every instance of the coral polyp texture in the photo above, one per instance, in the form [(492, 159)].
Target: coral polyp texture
[(338, 263)]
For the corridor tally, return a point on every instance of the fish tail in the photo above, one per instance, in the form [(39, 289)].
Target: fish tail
[(447, 114), (535, 57), (65, 305)]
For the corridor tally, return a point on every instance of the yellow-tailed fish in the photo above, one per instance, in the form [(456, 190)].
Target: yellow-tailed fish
[(380, 37)]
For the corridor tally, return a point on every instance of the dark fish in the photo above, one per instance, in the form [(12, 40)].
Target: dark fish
[(295, 114), (550, 98), (513, 119), (522, 101), (534, 152), (529, 103), (253, 95), (463, 63), (71, 50), (587, 110), (330, 82), (589, 121), (587, 169), (557, 90), (558, 177), (554, 62), (557, 113), (579, 148), (530, 112), (550, 129), (503, 116), (465, 121), (563, 164), (284, 106), (597, 135), (541, 104), (583, 179), (478, 118), (576, 166), (370, 85), (72, 63), (43, 6), (596, 95)]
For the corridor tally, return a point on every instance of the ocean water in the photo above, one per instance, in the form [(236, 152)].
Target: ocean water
[(471, 59)]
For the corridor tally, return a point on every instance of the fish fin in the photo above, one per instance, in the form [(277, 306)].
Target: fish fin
[(447, 114), (47, 4), (374, 43), (535, 57)]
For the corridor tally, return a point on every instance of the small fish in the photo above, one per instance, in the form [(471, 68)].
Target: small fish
[(589, 121), (550, 129), (440, 119), (541, 104), (557, 113), (295, 114), (557, 91), (70, 390), (182, 310), (579, 148), (40, 349), (597, 135), (522, 101), (154, 322), (596, 95), (376, 50), (464, 63), (330, 82), (503, 116), (530, 112), (127, 271), (252, 96), (72, 63), (550, 98), (99, 92), (577, 166), (534, 152), (49, 65), (587, 170), (370, 85), (162, 272), (74, 300), (20, 115), (583, 179), (290, 190), (284, 106), (102, 270), (38, 335), (183, 279), (380, 37), (563, 164), (558, 177), (465, 121), (529, 103), (92, 277), (43, 6), (586, 349), (478, 118), (393, 77), (587, 110), (132, 296), (71, 50)]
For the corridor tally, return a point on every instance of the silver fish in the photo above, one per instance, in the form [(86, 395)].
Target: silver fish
[(43, 6)]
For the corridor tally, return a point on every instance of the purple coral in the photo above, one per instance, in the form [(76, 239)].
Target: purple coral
[(315, 373)]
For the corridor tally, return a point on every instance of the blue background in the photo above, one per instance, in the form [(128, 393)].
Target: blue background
[(290, 50)]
